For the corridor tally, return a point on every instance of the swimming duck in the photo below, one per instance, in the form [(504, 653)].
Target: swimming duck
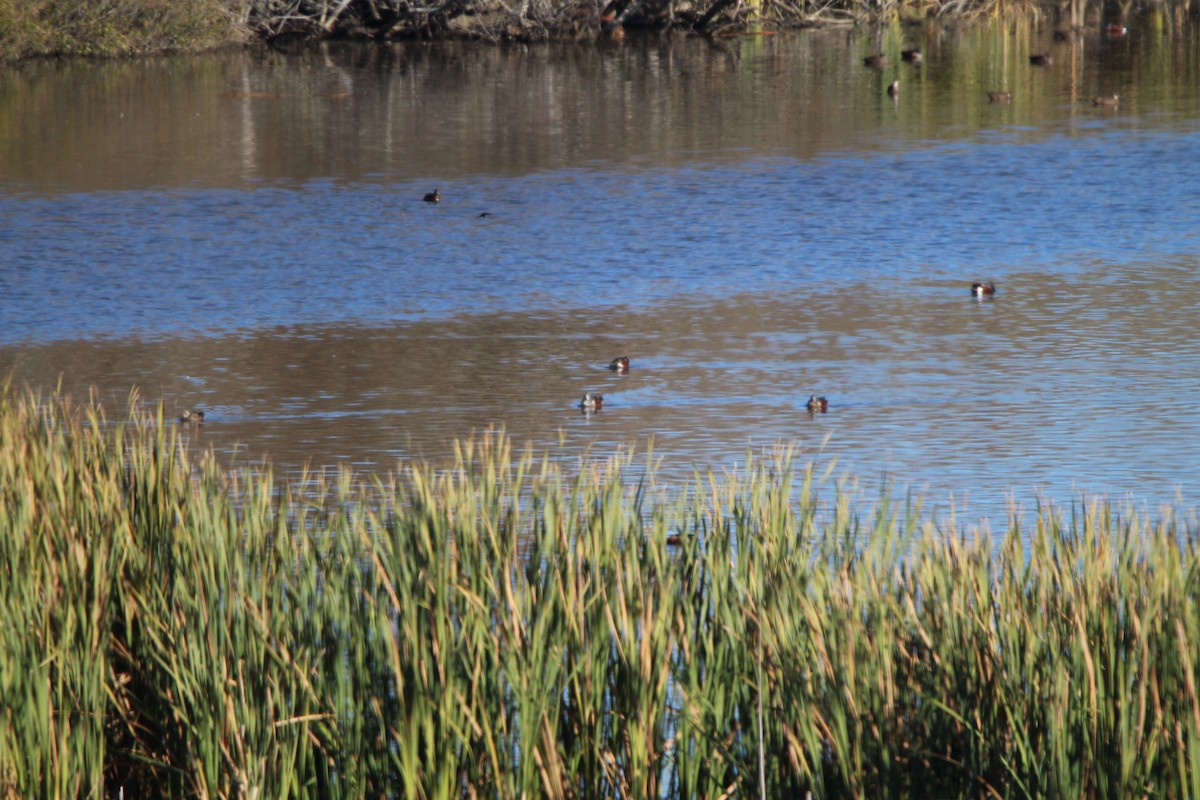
[(894, 90), (1106, 101), (983, 289), (620, 364), (1116, 31), (433, 197), (877, 61), (817, 404), (1000, 97), (191, 417), (1041, 60), (591, 401), (913, 56)]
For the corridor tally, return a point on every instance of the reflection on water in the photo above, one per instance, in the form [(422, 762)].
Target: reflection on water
[(751, 223)]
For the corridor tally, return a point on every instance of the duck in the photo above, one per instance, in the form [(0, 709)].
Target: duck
[(1041, 60), (1106, 101), (983, 289), (1116, 31), (191, 417), (591, 401), (894, 89), (913, 56), (999, 97), (817, 404), (877, 61), (433, 197), (619, 364)]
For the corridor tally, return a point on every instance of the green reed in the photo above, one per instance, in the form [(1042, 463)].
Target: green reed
[(502, 626)]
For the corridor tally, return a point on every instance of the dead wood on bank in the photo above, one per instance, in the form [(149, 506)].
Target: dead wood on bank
[(285, 23), (282, 22)]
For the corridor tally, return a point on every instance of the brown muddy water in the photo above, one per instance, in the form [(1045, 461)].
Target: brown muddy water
[(751, 220)]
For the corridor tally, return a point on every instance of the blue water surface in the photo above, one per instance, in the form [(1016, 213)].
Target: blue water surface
[(202, 262)]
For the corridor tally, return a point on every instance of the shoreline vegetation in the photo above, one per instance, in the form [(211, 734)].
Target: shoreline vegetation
[(141, 27), (506, 627)]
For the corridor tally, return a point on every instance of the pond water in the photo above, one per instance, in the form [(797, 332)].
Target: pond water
[(751, 220)]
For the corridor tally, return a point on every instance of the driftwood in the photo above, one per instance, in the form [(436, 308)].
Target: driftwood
[(705, 21), (284, 24), (280, 22), (287, 21)]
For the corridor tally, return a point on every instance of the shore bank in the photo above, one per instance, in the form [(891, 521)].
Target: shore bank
[(142, 27)]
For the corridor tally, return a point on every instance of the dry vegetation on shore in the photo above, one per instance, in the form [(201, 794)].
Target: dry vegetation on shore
[(133, 27)]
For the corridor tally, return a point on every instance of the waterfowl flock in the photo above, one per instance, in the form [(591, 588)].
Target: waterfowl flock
[(914, 56), (817, 404), (591, 402)]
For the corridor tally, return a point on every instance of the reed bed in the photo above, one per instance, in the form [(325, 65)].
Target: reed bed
[(502, 627)]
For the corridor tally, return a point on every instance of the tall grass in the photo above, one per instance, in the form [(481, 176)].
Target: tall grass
[(501, 627)]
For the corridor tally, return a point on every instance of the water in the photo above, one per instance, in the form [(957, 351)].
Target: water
[(750, 221)]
